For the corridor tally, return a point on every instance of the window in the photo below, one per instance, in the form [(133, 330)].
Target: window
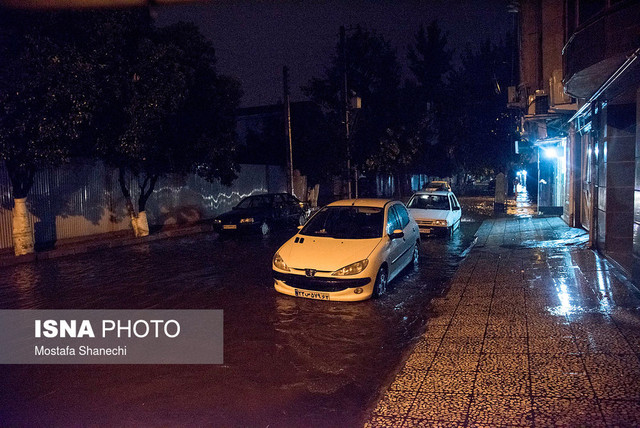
[(348, 222), (404, 215), (291, 199), (429, 202), (454, 202), (393, 222), (257, 201)]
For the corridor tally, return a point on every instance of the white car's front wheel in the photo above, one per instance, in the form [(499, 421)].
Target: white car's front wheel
[(380, 286), (415, 256)]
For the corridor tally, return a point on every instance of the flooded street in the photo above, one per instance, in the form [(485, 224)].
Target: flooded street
[(287, 361)]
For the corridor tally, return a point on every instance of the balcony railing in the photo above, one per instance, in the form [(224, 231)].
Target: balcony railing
[(599, 46)]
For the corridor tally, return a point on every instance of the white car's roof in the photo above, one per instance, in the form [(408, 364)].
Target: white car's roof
[(365, 202)]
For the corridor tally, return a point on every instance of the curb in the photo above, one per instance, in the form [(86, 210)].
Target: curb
[(89, 246)]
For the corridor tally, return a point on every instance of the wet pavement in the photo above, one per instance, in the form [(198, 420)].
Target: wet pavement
[(288, 361), (535, 330)]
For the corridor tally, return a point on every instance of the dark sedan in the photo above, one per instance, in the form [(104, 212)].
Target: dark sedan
[(261, 213)]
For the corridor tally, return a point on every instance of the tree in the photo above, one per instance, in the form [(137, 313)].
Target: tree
[(483, 128), (430, 61), (47, 104), (314, 153), (373, 74), (166, 111)]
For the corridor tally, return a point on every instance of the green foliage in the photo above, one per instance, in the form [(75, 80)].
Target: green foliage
[(421, 107), (111, 85), (45, 92), (430, 61), (316, 147), (166, 108), (482, 129), (373, 74)]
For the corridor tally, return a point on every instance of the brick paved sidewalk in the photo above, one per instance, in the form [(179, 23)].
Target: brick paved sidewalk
[(535, 330)]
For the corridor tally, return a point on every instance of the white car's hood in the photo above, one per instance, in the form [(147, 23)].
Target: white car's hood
[(326, 254), (421, 214)]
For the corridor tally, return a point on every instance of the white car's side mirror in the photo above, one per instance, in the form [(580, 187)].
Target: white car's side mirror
[(398, 233)]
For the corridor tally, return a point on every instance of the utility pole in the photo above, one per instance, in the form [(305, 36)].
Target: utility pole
[(345, 103), (287, 128)]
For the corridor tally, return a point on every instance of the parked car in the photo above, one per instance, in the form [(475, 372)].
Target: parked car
[(261, 213), (436, 212), (437, 185), (348, 251)]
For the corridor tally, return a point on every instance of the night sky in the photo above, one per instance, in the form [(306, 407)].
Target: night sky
[(254, 39)]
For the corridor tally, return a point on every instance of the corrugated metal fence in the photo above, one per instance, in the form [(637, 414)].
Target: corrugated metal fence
[(84, 198)]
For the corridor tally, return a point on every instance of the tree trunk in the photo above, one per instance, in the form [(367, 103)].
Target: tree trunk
[(145, 193), (142, 224), (21, 182), (22, 233), (127, 197)]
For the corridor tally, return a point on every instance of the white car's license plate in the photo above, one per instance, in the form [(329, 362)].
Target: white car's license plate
[(229, 226), (426, 230), (312, 294)]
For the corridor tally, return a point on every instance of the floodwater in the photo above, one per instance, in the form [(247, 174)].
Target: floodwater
[(287, 361)]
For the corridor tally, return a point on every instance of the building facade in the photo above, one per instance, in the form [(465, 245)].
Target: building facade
[(579, 92)]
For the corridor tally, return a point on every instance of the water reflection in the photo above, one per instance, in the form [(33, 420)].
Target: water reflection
[(565, 307), (521, 205), (288, 361), (604, 287)]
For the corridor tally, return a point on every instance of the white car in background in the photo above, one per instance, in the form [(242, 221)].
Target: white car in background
[(436, 212), (349, 250), (437, 185)]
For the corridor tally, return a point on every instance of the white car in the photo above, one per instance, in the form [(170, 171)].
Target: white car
[(438, 185), (436, 212), (349, 250)]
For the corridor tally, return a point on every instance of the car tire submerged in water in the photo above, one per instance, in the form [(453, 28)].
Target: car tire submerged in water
[(415, 256), (265, 229), (380, 287)]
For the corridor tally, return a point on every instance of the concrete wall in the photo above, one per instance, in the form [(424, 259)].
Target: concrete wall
[(617, 149), (83, 198), (636, 199), (542, 32)]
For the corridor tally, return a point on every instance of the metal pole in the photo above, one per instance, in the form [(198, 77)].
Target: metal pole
[(345, 100), (287, 128)]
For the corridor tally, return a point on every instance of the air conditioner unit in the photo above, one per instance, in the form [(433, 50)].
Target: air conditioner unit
[(516, 97), (538, 103), (513, 96), (556, 90)]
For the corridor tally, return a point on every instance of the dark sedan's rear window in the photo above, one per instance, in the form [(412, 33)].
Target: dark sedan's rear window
[(257, 201)]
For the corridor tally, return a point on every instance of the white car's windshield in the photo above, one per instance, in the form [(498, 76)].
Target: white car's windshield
[(429, 202), (346, 223)]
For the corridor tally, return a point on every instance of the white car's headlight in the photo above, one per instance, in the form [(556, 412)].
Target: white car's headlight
[(217, 221), (441, 223), (246, 220), (352, 269), (279, 262)]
